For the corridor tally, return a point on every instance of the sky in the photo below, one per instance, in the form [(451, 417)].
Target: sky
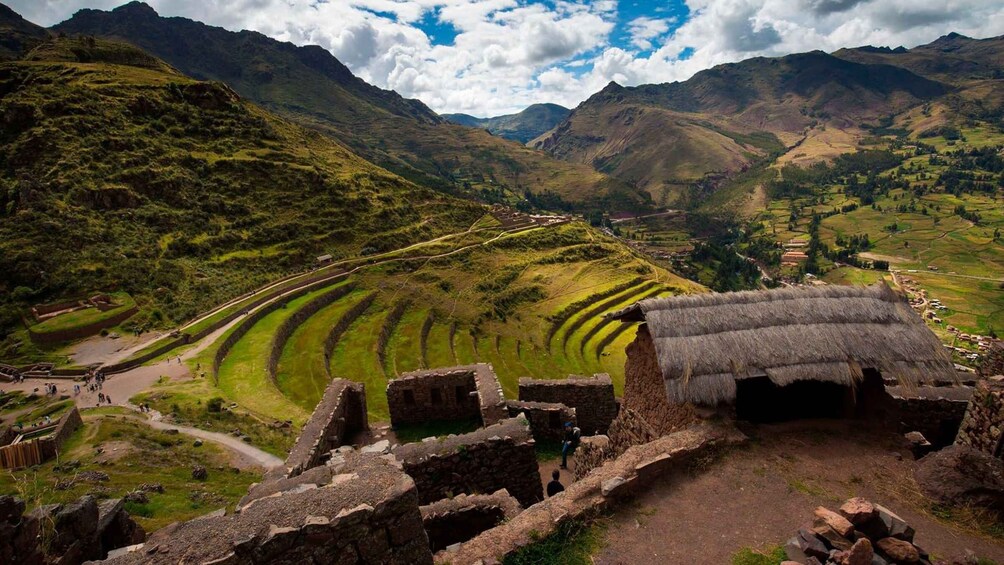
[(493, 57)]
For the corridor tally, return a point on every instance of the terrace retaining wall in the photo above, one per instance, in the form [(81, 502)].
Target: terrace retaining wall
[(80, 332), (983, 424), (288, 326), (592, 398), (500, 456)]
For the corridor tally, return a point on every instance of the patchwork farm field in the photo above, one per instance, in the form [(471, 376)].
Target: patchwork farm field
[(941, 233)]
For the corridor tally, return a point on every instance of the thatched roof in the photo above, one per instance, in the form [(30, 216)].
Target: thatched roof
[(705, 342)]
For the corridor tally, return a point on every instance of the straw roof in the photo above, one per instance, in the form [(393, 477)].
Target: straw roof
[(706, 342)]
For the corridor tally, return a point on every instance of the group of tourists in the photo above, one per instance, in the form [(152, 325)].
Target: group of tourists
[(104, 399)]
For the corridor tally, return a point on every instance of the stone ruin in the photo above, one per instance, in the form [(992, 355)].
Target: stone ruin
[(859, 533), (592, 399), (547, 419), (983, 425), (458, 519), (454, 393), (500, 456), (364, 511), (333, 503), (64, 533), (18, 450), (338, 417)]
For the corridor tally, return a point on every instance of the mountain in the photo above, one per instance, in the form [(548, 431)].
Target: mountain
[(178, 191), (952, 58), (17, 35), (723, 120), (309, 85), (532, 122)]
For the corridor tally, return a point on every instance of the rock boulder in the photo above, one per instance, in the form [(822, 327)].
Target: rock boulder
[(960, 475)]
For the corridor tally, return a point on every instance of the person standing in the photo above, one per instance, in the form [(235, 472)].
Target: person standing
[(572, 436), (555, 486)]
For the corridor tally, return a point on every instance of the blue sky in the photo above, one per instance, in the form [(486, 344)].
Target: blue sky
[(490, 57)]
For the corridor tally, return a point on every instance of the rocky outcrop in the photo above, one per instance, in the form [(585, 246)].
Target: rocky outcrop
[(64, 533), (961, 475)]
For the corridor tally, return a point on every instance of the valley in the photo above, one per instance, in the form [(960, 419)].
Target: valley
[(220, 252)]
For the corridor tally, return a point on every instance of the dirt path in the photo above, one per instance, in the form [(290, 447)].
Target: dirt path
[(759, 495), (245, 452)]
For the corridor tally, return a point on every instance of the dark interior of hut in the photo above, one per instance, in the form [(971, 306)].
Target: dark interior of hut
[(758, 400)]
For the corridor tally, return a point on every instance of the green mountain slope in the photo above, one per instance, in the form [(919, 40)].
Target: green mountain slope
[(532, 122), (118, 172), (728, 118), (312, 87)]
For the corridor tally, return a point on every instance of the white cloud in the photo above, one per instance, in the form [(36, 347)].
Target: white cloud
[(644, 29), (508, 54)]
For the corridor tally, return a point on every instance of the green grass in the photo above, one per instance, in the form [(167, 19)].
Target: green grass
[(302, 374), (418, 432), (243, 375), (572, 543), (404, 350), (186, 402), (135, 454), (770, 556), (355, 358), (86, 316), (438, 350)]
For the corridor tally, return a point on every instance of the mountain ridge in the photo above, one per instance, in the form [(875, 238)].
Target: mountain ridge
[(523, 126), (310, 86), (665, 137)]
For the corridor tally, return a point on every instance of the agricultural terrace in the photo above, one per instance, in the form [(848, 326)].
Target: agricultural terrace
[(85, 316), (530, 303)]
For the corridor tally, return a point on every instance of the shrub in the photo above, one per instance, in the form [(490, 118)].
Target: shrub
[(214, 404)]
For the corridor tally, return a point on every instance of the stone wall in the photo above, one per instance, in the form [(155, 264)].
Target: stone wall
[(628, 430), (592, 398), (490, 397), (339, 415), (301, 288), (342, 326), (289, 325), (547, 419), (983, 424), (74, 532), (366, 512), (500, 456), (458, 519), (80, 332), (451, 393), (615, 481), (992, 362), (427, 396), (936, 412), (645, 388)]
